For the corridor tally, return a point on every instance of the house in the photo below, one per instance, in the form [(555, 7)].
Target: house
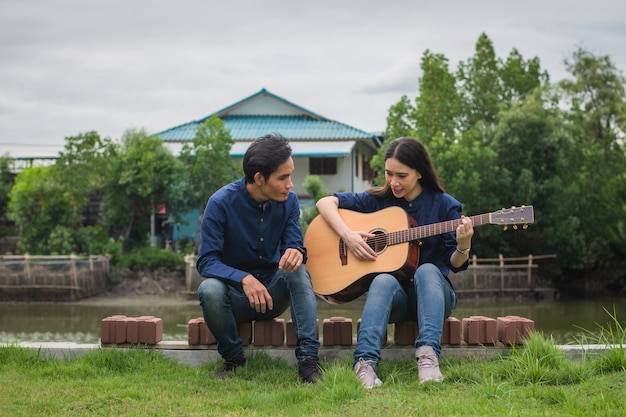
[(339, 154)]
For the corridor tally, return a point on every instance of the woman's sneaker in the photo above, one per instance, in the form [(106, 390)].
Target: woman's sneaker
[(427, 364), (366, 374)]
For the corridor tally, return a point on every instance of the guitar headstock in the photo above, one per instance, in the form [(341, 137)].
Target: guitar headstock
[(514, 216)]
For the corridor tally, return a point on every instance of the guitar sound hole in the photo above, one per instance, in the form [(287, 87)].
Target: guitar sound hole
[(379, 242)]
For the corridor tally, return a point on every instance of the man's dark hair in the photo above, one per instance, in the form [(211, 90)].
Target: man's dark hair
[(265, 155)]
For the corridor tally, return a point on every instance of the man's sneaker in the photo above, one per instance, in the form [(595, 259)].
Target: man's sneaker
[(366, 374), (427, 364), (229, 367), (310, 371)]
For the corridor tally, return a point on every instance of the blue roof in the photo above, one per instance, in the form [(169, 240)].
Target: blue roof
[(245, 122)]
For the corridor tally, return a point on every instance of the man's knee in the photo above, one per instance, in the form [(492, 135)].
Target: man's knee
[(211, 289)]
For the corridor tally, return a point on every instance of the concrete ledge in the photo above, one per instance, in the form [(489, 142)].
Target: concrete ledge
[(200, 354)]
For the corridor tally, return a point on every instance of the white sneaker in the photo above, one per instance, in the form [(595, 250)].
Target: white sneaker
[(427, 364), (366, 374)]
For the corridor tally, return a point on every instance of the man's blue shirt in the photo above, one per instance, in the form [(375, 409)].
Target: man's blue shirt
[(240, 236)]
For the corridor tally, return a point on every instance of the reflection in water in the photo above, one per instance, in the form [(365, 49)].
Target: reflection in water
[(80, 322)]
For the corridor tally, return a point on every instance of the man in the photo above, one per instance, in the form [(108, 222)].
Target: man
[(252, 258)]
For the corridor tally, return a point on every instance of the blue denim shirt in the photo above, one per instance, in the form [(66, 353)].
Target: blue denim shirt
[(427, 208), (240, 236)]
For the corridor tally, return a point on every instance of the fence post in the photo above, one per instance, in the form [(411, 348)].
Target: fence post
[(27, 268), (501, 273), (530, 272), (475, 267)]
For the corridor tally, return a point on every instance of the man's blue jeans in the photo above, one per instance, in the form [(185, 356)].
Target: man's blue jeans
[(223, 306), (429, 299)]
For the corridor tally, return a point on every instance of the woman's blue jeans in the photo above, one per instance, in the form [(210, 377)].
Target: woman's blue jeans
[(429, 299), (223, 306)]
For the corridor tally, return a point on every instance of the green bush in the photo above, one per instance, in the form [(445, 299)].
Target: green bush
[(152, 259)]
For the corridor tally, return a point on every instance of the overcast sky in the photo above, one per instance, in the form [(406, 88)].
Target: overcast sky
[(73, 66)]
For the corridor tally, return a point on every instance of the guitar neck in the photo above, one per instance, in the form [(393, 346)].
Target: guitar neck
[(421, 232)]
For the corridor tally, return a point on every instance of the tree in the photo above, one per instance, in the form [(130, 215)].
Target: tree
[(38, 205), (81, 167), (208, 164), (6, 183), (597, 102), (140, 174)]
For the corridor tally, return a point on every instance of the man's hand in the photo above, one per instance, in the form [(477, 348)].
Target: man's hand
[(291, 260), (259, 297)]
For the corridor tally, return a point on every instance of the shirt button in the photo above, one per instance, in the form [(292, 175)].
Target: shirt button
[(261, 239)]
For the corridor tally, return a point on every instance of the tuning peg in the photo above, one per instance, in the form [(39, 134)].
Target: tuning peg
[(514, 227), (525, 226), (505, 228)]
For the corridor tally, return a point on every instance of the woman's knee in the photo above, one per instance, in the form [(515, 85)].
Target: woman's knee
[(383, 282)]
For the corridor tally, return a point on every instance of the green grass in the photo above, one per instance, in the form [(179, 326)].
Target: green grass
[(535, 379)]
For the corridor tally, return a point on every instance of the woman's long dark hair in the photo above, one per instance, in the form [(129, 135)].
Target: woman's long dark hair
[(411, 153)]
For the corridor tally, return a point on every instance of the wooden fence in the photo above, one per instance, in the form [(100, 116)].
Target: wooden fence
[(502, 276), (484, 277), (52, 278)]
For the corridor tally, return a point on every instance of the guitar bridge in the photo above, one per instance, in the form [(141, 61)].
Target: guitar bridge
[(343, 252)]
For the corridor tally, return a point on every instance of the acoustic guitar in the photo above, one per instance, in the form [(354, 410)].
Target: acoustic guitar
[(339, 277)]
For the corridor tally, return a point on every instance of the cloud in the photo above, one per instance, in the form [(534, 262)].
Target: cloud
[(71, 66)]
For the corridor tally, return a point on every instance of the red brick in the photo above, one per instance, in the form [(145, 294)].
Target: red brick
[(337, 331), (479, 330), (193, 331), (512, 330), (291, 333), (132, 330), (405, 332), (451, 334), (107, 335), (150, 330), (245, 332), (269, 332)]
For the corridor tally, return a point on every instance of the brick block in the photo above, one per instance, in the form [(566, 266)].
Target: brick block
[(193, 331), (269, 332), (512, 330), (150, 330), (337, 331), (290, 332), (451, 334), (480, 330), (385, 336), (405, 332), (109, 328), (132, 330), (245, 332)]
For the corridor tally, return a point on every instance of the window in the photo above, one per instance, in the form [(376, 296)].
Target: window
[(368, 172), (322, 166)]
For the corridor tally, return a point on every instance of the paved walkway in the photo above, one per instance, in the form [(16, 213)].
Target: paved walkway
[(197, 355)]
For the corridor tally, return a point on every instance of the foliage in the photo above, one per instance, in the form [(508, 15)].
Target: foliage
[(39, 205), (140, 174), (208, 164), (6, 183), (501, 135), (315, 188), (150, 258)]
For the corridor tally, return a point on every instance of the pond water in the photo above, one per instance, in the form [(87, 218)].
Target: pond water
[(80, 322)]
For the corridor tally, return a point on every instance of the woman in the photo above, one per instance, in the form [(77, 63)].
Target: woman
[(412, 183)]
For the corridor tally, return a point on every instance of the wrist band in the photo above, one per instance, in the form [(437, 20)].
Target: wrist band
[(463, 252)]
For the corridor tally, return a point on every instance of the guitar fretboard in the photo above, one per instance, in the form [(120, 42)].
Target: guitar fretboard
[(420, 232)]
